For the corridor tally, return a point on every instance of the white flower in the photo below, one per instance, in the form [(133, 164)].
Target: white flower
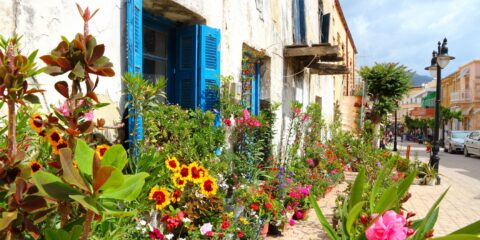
[(207, 227), (169, 236), (186, 220), (182, 239), (143, 222)]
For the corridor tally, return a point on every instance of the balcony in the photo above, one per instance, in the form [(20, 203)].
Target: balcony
[(461, 96)]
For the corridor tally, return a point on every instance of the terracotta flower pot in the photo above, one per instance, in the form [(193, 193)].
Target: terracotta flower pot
[(264, 231)]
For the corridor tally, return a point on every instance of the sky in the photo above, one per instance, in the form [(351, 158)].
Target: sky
[(407, 31)]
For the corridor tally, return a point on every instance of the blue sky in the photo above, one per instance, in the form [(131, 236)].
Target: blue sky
[(407, 31)]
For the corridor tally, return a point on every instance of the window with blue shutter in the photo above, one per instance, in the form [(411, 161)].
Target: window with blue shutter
[(186, 69), (299, 31), (134, 57), (256, 90), (209, 74), (251, 76), (325, 27)]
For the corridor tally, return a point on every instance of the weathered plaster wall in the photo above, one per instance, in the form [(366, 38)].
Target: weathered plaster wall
[(42, 23)]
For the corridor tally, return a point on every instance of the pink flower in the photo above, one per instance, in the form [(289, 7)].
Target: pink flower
[(207, 227), (246, 114), (88, 116), (305, 117), (63, 109), (334, 171), (310, 161), (156, 234), (389, 226), (292, 222), (299, 215), (227, 122), (289, 180)]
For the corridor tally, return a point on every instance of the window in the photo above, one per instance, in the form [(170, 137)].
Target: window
[(188, 56), (299, 22), (251, 80)]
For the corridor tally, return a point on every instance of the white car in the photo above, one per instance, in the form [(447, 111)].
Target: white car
[(472, 144), (455, 140)]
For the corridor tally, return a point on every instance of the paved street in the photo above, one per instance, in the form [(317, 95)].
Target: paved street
[(461, 205)]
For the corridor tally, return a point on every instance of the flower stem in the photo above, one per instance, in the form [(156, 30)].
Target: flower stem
[(87, 226), (12, 138)]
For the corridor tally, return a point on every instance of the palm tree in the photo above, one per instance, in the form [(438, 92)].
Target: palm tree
[(446, 116)]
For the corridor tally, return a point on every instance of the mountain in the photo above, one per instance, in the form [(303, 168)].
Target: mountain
[(417, 80)]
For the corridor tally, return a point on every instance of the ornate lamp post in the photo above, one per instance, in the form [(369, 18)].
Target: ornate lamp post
[(440, 60), (395, 133)]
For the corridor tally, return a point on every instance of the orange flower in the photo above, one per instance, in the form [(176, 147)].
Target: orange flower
[(161, 196), (195, 174), (36, 122), (178, 181), (35, 166), (61, 144), (209, 186), (43, 134), (54, 137), (172, 164), (101, 149), (184, 172)]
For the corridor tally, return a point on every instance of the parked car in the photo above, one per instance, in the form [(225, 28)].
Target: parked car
[(472, 144), (455, 140)]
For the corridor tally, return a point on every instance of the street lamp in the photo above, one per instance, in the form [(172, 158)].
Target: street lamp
[(395, 132), (440, 59)]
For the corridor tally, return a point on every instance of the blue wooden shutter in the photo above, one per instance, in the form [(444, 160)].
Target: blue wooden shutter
[(186, 71), (135, 54), (255, 103), (209, 68), (298, 12)]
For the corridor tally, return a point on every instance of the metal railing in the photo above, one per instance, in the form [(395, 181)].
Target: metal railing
[(461, 96)]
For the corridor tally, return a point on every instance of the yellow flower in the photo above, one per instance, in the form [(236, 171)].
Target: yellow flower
[(172, 164), (101, 149), (35, 166), (36, 122), (61, 144), (243, 220), (178, 181), (54, 137), (209, 186), (196, 176), (161, 197), (203, 172), (185, 172)]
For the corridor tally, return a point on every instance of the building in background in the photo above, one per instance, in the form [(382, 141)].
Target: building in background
[(461, 91), (294, 50)]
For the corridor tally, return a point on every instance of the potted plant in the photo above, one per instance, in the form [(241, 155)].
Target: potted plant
[(429, 174)]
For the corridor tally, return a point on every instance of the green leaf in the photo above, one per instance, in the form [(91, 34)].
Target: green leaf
[(459, 237), (387, 200), (352, 216), (115, 156), (378, 183), (32, 56), (7, 218), (325, 224), (70, 174), (107, 177), (357, 189), (32, 98), (78, 70), (109, 208), (53, 186), (405, 184), (84, 157), (131, 187), (55, 234), (86, 202), (422, 228), (473, 228)]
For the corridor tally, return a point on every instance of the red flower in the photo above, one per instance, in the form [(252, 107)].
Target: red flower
[(209, 233), (225, 224), (156, 234), (364, 219), (254, 207), (227, 122), (240, 234), (268, 205)]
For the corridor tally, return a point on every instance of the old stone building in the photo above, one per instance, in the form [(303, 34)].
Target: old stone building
[(300, 49)]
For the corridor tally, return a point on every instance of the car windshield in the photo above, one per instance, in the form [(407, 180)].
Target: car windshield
[(460, 134)]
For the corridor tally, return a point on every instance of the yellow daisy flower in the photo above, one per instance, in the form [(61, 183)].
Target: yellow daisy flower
[(35, 166), (195, 175), (54, 137), (203, 172), (172, 164), (36, 122), (185, 172), (161, 197), (209, 186), (178, 181), (101, 149), (61, 144)]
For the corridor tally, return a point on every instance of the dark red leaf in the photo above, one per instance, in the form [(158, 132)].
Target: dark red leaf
[(106, 72), (98, 51), (20, 188), (64, 63), (47, 59), (101, 177), (62, 88), (31, 228), (92, 96), (33, 203)]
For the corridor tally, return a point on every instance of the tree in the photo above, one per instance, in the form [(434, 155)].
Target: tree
[(387, 83), (446, 116)]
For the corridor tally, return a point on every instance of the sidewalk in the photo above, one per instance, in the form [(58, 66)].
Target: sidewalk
[(461, 205)]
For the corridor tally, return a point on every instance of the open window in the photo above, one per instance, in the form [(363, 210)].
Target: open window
[(299, 30), (187, 55)]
